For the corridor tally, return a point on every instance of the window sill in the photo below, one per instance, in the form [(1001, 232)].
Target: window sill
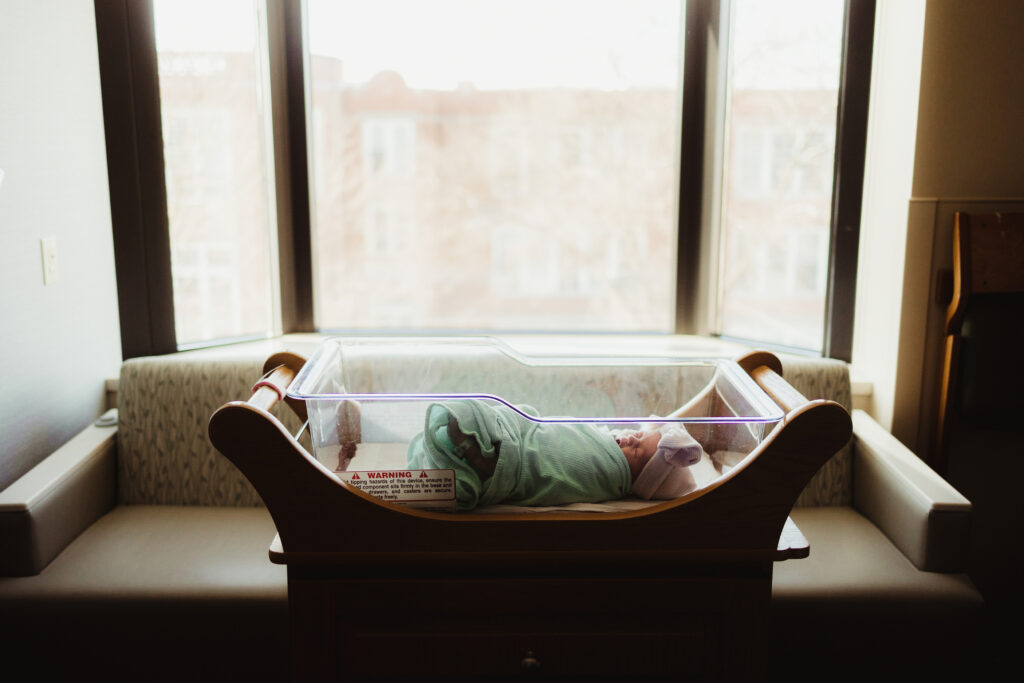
[(530, 344)]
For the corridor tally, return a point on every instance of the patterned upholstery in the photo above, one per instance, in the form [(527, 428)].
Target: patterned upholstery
[(824, 378), (165, 403), (164, 453)]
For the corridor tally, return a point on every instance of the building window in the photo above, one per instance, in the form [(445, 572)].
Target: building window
[(208, 294), (781, 109), (577, 185), (388, 146), (515, 203), (218, 169)]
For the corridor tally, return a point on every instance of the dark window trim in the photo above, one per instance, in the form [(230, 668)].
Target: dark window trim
[(131, 105), (689, 289), (848, 184), (288, 79), (135, 169)]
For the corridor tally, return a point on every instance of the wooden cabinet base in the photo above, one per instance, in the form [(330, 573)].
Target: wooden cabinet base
[(529, 629)]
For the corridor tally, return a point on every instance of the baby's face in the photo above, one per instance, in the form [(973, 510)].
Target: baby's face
[(639, 448)]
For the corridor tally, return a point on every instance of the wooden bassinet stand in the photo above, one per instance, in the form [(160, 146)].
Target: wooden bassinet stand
[(377, 591)]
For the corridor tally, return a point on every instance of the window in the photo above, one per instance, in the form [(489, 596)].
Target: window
[(487, 160), (782, 91), (217, 167), (653, 166)]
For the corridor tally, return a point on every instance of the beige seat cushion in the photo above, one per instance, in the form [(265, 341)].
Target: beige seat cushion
[(853, 562), (156, 593), (858, 607)]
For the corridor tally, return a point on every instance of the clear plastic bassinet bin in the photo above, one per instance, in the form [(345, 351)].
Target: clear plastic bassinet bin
[(470, 424)]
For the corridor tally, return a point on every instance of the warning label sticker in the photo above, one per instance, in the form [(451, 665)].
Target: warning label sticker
[(429, 489)]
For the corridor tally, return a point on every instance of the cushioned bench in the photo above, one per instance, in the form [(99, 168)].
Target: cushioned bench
[(140, 553)]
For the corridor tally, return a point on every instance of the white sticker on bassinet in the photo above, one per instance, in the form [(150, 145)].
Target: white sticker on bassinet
[(433, 489)]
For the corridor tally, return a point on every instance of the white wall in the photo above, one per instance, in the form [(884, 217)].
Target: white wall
[(946, 133), (969, 157), (888, 178), (58, 342)]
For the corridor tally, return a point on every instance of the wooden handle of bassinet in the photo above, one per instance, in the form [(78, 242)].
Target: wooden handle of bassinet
[(766, 369), (279, 371)]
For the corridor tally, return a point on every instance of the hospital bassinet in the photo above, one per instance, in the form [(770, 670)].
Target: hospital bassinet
[(645, 588)]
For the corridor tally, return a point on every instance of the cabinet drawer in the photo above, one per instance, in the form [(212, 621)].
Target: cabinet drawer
[(396, 650), (552, 629)]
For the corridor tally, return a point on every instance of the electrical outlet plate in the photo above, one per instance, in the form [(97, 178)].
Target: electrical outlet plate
[(51, 273)]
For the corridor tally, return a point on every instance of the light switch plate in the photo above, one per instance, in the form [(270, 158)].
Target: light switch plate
[(51, 272)]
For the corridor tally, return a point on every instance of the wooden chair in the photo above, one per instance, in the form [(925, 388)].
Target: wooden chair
[(983, 321), (979, 443)]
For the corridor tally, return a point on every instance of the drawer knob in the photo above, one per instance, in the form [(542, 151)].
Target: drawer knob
[(530, 661)]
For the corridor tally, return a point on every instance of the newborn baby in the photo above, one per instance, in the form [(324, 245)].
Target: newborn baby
[(659, 461), (500, 456)]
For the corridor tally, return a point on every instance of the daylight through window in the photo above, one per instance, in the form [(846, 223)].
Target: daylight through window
[(508, 165), (458, 166), (782, 95), (218, 171)]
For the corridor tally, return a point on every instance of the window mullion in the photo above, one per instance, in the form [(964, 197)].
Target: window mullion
[(138, 199), (847, 192), (288, 97), (691, 170)]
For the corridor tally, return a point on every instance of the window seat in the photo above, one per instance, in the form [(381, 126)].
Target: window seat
[(858, 607), (141, 553), (185, 593)]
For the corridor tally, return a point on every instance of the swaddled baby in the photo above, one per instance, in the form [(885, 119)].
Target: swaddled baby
[(500, 456)]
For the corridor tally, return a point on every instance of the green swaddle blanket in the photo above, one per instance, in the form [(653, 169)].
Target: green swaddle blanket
[(539, 463)]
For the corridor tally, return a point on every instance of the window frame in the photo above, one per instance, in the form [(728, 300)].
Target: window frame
[(132, 116), (848, 177), (135, 167)]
